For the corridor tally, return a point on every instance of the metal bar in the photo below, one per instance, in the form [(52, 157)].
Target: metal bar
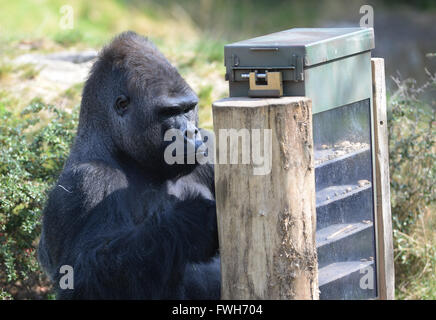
[(264, 49), (264, 68), (258, 75)]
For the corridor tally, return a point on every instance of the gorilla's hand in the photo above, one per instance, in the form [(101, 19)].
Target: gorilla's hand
[(203, 280), (199, 218)]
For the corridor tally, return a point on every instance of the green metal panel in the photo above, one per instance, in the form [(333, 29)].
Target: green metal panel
[(339, 82), (318, 45), (329, 65)]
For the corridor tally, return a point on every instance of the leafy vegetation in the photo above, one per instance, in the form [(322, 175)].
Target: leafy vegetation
[(412, 154), (31, 158)]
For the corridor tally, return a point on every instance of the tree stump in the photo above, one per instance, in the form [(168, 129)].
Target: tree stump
[(266, 218)]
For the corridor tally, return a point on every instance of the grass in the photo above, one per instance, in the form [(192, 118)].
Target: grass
[(28, 71), (95, 22), (416, 260), (5, 69), (7, 102), (74, 93)]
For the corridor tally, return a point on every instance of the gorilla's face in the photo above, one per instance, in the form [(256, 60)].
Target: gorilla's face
[(149, 108)]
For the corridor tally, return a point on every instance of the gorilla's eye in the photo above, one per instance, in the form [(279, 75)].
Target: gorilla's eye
[(121, 104), (178, 109), (171, 111)]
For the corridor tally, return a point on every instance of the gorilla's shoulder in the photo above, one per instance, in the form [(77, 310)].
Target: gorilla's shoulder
[(86, 184), (89, 175)]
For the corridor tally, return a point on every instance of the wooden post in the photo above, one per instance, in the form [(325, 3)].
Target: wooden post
[(384, 219), (266, 219)]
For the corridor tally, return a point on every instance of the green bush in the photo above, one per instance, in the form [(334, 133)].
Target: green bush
[(412, 151), (69, 37), (413, 171), (32, 155)]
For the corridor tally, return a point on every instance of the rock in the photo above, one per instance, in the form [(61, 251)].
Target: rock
[(57, 72), (73, 57)]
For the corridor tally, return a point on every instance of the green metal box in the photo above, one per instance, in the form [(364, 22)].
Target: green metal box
[(327, 65), (333, 68)]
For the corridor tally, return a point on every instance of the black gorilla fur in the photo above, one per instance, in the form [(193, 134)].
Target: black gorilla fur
[(131, 226)]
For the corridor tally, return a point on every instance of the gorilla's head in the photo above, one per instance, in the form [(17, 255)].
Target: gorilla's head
[(133, 96)]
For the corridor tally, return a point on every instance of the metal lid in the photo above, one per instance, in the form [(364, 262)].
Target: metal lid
[(317, 44)]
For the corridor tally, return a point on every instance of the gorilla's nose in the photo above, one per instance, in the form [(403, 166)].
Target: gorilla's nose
[(192, 135), (192, 132)]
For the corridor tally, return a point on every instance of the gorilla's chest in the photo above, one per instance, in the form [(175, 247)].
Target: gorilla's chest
[(152, 201)]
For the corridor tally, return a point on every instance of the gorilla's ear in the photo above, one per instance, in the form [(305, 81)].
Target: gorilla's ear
[(121, 104)]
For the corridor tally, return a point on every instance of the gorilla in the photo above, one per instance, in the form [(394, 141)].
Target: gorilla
[(129, 224)]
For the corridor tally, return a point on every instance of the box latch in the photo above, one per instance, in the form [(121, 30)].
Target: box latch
[(267, 84)]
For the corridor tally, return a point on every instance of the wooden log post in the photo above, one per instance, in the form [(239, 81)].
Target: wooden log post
[(266, 199), (382, 183)]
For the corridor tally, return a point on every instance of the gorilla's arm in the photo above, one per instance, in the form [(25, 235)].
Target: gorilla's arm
[(200, 183), (91, 229), (204, 174)]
